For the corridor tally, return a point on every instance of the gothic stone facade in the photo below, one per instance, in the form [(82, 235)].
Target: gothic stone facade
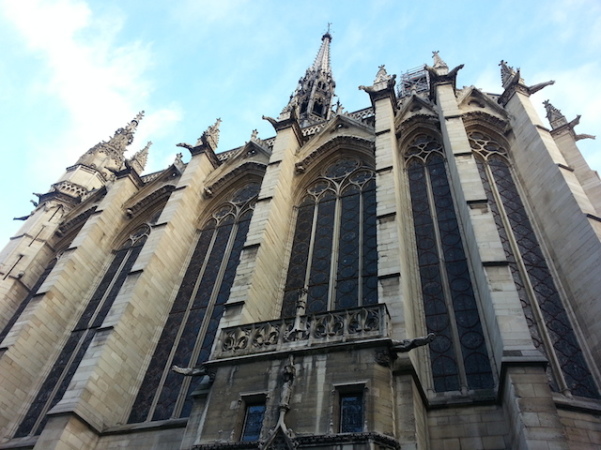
[(422, 273)]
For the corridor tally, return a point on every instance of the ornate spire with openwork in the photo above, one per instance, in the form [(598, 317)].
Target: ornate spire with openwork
[(312, 99), (109, 155)]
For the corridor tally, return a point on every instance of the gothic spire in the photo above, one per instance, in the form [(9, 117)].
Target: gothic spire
[(109, 155), (322, 60), (312, 99)]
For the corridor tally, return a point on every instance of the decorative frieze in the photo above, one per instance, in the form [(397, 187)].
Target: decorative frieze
[(304, 331)]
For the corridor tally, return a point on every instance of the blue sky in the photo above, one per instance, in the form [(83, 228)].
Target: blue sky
[(73, 71)]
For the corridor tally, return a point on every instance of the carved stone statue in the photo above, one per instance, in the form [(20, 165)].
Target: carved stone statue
[(288, 376), (409, 344)]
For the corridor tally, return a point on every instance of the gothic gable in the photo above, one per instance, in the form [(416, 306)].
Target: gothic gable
[(414, 105), (473, 99), (340, 129), (153, 192)]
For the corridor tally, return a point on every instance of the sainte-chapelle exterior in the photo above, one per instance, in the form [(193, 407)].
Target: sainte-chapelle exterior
[(423, 273)]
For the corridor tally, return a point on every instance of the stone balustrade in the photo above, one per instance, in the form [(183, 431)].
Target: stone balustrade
[(328, 328)]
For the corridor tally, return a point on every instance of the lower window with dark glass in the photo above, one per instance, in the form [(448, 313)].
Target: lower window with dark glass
[(253, 422), (351, 412)]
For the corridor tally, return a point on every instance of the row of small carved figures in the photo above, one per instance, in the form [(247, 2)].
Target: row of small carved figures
[(319, 327)]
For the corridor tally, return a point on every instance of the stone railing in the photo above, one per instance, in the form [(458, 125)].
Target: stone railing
[(361, 114), (347, 325)]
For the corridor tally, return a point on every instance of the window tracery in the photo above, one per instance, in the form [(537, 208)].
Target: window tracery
[(547, 318), (459, 356), (192, 324), (57, 381), (334, 251)]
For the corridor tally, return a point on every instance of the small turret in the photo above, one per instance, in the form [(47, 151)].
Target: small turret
[(138, 161)]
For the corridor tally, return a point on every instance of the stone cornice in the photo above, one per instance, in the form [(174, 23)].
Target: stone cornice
[(60, 197), (69, 225)]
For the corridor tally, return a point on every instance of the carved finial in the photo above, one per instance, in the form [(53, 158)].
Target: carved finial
[(211, 136), (139, 116), (138, 161), (131, 126), (554, 115), (254, 136), (178, 162), (382, 75), (507, 73), (438, 62)]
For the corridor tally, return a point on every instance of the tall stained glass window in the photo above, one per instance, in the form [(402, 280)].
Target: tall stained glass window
[(547, 318), (334, 252), (459, 356), (190, 330), (56, 383)]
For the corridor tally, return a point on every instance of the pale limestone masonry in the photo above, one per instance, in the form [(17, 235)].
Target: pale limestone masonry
[(363, 376)]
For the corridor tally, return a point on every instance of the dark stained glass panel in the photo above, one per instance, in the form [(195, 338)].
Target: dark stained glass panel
[(253, 422), (335, 242), (189, 333), (351, 413), (557, 326), (56, 383), (444, 274)]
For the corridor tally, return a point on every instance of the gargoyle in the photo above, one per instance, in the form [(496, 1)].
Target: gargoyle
[(191, 371), (409, 344)]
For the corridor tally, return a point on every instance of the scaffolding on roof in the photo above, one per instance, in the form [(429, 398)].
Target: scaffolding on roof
[(414, 79)]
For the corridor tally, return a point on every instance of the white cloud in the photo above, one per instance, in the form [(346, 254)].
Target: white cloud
[(98, 80)]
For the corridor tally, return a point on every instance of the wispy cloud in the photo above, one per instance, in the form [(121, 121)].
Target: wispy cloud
[(99, 83)]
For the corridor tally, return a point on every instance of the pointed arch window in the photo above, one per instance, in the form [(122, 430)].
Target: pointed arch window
[(459, 356), (334, 252), (56, 383), (548, 321), (190, 330)]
